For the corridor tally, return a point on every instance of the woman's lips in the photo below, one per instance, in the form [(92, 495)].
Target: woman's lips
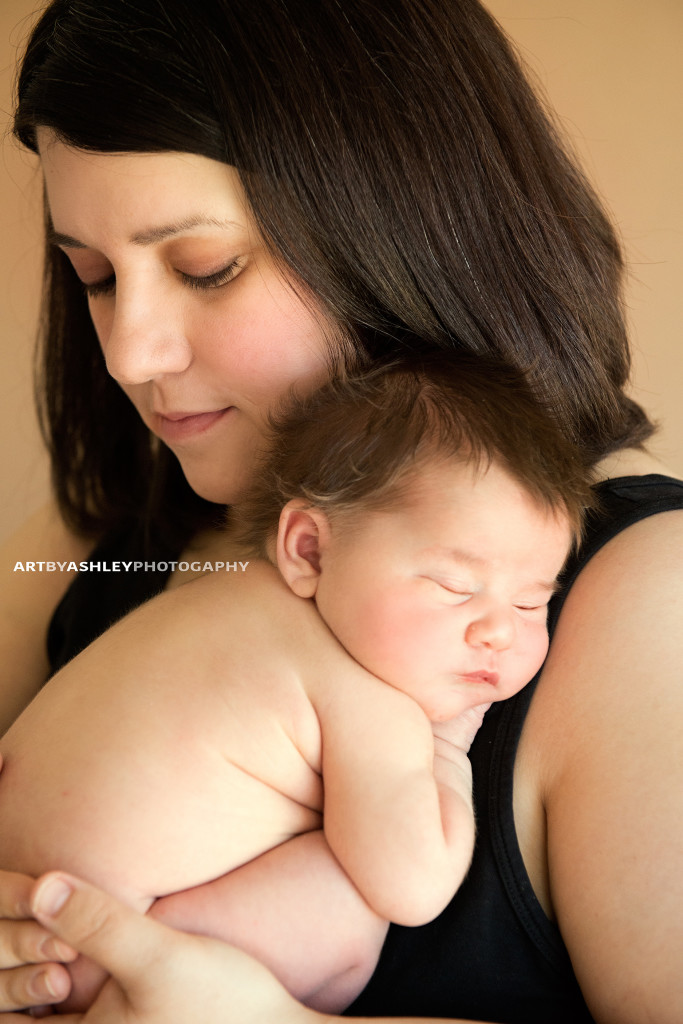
[(183, 426)]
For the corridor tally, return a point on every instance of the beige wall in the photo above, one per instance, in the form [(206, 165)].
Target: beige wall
[(22, 463), (611, 68)]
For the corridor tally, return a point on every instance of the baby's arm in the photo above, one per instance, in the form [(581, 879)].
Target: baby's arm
[(398, 814)]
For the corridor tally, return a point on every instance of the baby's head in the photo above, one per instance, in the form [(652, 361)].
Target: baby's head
[(427, 507)]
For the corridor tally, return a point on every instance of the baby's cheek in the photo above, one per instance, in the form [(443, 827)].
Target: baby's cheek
[(537, 649), (386, 638)]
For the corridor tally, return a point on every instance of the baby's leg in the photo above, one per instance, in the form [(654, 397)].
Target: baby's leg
[(87, 977), (296, 910)]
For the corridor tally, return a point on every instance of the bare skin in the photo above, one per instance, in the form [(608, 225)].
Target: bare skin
[(598, 775), (211, 718), (589, 857)]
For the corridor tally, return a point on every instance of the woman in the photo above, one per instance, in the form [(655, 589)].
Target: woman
[(394, 176)]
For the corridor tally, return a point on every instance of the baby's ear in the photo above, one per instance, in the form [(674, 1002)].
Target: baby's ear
[(302, 535)]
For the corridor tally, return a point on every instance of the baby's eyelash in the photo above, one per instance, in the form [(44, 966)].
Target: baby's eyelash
[(540, 609)]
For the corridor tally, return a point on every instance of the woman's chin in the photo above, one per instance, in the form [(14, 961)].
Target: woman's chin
[(222, 490)]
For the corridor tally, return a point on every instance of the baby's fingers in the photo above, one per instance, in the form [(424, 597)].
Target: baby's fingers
[(460, 731)]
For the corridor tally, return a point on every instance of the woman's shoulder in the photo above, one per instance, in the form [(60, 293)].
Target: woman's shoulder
[(607, 725), (631, 545), (627, 591), (615, 631)]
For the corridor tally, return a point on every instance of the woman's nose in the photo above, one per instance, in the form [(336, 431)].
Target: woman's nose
[(494, 629), (146, 338)]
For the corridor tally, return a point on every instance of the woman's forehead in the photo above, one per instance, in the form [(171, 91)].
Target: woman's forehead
[(151, 196)]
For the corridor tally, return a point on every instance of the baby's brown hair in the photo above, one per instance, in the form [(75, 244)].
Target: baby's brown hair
[(350, 446)]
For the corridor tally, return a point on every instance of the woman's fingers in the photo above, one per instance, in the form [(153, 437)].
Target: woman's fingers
[(26, 942), (27, 978), (121, 940), (158, 975), (22, 941), (33, 986), (15, 895)]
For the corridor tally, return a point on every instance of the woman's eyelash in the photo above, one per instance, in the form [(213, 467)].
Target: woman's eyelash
[(215, 280), (98, 288)]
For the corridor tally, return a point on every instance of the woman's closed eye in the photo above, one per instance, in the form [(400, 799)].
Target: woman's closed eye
[(197, 282), (94, 289), (201, 282)]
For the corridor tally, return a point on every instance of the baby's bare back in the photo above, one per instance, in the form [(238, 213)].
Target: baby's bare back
[(177, 747)]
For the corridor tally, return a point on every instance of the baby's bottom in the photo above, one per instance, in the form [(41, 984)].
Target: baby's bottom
[(295, 910)]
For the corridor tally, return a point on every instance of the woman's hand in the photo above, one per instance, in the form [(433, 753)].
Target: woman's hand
[(158, 975), (29, 973)]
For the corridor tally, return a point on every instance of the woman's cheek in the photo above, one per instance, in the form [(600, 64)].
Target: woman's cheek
[(102, 319)]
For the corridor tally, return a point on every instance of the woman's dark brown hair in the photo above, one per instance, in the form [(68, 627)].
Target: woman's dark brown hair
[(401, 169)]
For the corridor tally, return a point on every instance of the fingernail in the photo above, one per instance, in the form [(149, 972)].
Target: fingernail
[(51, 896), (43, 986), (55, 949)]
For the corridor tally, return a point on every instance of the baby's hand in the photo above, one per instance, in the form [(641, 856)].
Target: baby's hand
[(458, 732), (453, 777)]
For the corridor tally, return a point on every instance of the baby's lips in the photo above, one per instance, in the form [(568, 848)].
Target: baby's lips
[(482, 676)]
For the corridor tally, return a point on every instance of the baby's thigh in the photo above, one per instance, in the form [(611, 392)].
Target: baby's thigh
[(295, 910)]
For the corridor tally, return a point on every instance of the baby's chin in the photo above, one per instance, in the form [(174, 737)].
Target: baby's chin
[(452, 709)]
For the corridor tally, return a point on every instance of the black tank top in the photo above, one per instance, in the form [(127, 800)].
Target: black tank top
[(492, 955)]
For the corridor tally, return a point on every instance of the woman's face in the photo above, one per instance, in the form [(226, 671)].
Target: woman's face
[(195, 322)]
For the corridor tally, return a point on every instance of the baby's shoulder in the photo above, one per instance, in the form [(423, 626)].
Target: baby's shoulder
[(252, 608)]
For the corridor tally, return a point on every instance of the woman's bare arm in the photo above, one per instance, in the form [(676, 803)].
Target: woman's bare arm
[(27, 601), (609, 716)]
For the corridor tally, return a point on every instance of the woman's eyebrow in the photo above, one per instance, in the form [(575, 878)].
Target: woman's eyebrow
[(64, 241), (158, 234), (151, 235)]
